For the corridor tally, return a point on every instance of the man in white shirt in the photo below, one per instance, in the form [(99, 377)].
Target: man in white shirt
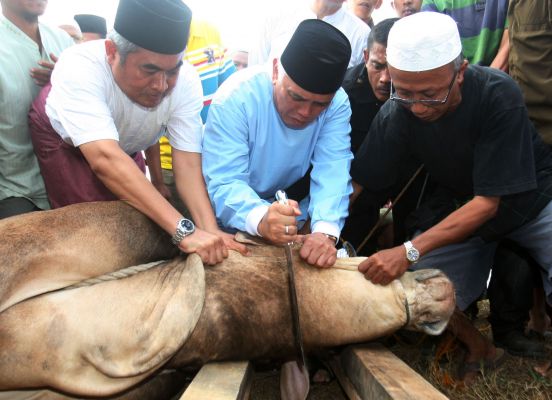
[(364, 9), (111, 99), (278, 28)]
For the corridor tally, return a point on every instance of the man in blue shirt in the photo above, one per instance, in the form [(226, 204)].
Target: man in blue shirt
[(264, 132)]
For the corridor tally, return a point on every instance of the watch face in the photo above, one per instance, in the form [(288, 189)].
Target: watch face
[(187, 225), (412, 254)]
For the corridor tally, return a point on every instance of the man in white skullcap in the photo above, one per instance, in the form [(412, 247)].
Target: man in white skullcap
[(468, 126)]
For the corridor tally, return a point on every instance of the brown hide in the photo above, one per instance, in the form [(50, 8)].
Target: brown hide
[(102, 339), (247, 313), (44, 251)]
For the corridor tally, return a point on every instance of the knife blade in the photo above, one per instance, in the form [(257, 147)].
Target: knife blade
[(282, 198)]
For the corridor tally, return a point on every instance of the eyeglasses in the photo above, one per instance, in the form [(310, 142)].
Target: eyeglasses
[(428, 102)]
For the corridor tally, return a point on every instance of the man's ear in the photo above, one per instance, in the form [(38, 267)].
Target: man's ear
[(463, 67), (275, 70), (366, 53), (378, 4), (110, 51)]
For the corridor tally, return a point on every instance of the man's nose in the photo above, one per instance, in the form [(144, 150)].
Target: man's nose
[(418, 108), (385, 77), (305, 109), (160, 82)]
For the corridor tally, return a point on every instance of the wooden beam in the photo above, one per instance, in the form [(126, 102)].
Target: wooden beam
[(221, 381), (373, 372)]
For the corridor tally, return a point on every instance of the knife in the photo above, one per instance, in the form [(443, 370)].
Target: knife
[(281, 198)]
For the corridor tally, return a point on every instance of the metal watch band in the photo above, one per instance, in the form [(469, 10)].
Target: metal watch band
[(182, 233)]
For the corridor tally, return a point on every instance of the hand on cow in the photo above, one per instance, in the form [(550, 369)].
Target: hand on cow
[(41, 76), (273, 225), (318, 250), (231, 243), (208, 246), (385, 266)]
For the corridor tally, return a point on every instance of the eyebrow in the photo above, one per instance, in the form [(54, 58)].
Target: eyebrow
[(158, 68), (295, 95), (378, 64)]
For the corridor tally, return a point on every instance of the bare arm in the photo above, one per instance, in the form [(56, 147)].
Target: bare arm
[(153, 160), (120, 174), (458, 225), (386, 265), (190, 184), (501, 59), (41, 76), (188, 175)]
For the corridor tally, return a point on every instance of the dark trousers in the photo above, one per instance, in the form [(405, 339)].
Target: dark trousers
[(510, 291), (16, 205)]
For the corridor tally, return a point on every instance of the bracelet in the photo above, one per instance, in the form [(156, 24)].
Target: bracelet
[(331, 237)]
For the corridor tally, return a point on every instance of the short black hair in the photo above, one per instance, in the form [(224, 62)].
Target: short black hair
[(380, 33)]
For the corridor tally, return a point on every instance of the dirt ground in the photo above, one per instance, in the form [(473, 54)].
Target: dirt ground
[(266, 387)]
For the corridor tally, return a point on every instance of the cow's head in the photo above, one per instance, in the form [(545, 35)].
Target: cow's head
[(431, 300)]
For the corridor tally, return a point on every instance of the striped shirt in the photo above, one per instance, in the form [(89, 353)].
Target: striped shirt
[(481, 24)]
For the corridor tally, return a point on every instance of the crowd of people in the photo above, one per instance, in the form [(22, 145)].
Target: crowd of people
[(415, 113)]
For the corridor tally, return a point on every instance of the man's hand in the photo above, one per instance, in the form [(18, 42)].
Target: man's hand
[(279, 216), (231, 243), (41, 76), (208, 246), (385, 266), (318, 250)]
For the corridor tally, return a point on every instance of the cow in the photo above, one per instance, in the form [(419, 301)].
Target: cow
[(88, 308)]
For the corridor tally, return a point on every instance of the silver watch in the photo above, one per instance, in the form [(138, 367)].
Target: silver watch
[(184, 227), (412, 253)]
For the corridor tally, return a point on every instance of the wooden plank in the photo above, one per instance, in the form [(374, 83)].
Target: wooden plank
[(343, 379), (376, 373), (221, 381)]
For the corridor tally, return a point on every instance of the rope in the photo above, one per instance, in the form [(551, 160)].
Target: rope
[(404, 189), (115, 275)]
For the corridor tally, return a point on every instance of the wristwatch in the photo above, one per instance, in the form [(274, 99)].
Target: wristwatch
[(332, 238), (412, 253), (184, 227)]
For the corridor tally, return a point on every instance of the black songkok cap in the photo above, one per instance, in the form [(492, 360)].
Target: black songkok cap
[(91, 23), (161, 26), (317, 57)]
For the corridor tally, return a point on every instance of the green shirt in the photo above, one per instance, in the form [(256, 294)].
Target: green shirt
[(19, 171), (481, 24)]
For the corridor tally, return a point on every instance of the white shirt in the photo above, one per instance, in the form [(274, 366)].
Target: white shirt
[(86, 104), (278, 29)]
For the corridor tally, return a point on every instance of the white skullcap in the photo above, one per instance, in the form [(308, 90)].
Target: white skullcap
[(423, 41)]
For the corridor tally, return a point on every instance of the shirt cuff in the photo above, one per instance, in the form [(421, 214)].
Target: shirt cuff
[(326, 227), (254, 218)]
